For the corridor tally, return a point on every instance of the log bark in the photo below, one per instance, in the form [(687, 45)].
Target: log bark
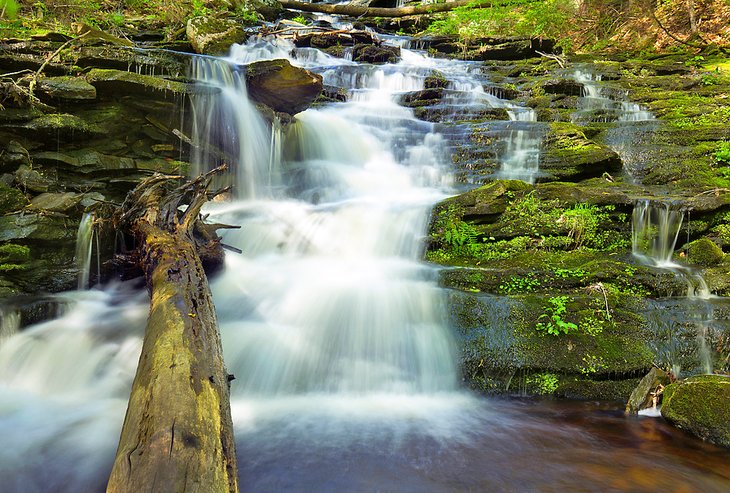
[(360, 11), (177, 434)]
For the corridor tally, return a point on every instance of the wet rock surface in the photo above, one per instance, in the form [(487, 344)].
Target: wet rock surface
[(281, 86), (699, 406)]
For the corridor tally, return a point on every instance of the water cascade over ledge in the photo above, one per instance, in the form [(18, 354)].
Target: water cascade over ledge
[(345, 367), (655, 229)]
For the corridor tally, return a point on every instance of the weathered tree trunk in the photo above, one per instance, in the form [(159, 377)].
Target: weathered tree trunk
[(361, 11), (177, 434)]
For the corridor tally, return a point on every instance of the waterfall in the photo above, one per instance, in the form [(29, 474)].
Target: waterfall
[(84, 248), (227, 129), (329, 300), (655, 230), (9, 323), (594, 105)]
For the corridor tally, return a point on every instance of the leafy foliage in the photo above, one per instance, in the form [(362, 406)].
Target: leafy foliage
[(553, 317), (544, 19), (545, 383)]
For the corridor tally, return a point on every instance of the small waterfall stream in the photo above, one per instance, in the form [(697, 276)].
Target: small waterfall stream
[(655, 229)]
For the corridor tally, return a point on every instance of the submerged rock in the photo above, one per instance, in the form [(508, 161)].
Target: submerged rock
[(281, 86), (699, 405)]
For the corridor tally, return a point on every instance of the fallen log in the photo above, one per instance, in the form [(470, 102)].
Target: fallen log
[(177, 434), (361, 11)]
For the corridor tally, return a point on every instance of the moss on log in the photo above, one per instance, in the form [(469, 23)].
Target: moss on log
[(177, 434)]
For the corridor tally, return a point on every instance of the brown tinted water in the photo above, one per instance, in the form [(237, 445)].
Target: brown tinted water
[(510, 446)]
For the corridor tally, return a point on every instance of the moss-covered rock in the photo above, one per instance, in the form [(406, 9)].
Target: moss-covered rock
[(66, 89), (117, 82), (62, 127), (268, 9), (213, 36), (368, 53), (699, 405), (11, 199), (704, 252), (567, 155)]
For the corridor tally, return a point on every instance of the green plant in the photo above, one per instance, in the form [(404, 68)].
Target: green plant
[(695, 61), (545, 383), (516, 284), (8, 9), (722, 154), (582, 221), (301, 19), (592, 364), (553, 317)]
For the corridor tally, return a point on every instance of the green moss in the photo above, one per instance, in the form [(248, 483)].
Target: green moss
[(700, 406), (704, 252), (13, 257), (11, 199)]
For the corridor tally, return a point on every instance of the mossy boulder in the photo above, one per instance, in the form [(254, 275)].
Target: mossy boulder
[(699, 405), (116, 82), (68, 89), (704, 252), (568, 155), (60, 127), (213, 36), (281, 86), (11, 199), (268, 9)]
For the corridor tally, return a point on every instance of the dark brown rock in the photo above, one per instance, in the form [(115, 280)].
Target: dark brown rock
[(281, 86)]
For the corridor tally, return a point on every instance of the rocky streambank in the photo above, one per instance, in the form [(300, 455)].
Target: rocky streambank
[(548, 292)]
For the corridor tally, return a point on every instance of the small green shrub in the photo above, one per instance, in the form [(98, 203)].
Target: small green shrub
[(553, 317), (544, 383)]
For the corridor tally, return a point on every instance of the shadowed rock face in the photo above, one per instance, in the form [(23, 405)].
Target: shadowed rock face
[(281, 86)]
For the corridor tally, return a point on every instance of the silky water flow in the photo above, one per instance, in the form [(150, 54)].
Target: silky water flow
[(346, 369)]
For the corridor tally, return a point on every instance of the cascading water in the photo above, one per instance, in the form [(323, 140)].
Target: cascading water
[(631, 123), (84, 249), (345, 371), (655, 229), (228, 129), (9, 323)]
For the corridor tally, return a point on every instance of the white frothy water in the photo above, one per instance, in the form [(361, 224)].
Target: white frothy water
[(655, 230), (328, 302), (64, 385), (594, 101), (84, 248)]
